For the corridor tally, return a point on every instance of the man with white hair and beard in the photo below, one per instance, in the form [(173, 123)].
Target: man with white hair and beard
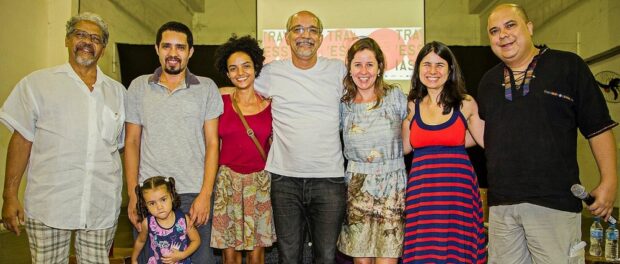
[(67, 124), (171, 130)]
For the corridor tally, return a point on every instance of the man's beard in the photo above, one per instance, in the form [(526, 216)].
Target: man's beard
[(82, 60), (171, 70)]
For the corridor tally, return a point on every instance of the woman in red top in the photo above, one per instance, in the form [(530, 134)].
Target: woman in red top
[(242, 216)]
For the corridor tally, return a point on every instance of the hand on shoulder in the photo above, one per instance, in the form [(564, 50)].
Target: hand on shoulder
[(410, 110), (468, 106), (227, 90)]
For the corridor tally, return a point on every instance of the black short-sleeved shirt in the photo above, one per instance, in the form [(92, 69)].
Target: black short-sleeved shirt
[(531, 141)]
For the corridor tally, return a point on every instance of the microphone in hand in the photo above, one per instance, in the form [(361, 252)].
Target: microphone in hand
[(580, 192)]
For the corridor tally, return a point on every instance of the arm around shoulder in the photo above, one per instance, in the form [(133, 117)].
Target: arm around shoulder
[(406, 131), (227, 90), (475, 125)]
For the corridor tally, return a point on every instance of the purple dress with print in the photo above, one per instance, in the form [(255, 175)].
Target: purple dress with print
[(163, 240)]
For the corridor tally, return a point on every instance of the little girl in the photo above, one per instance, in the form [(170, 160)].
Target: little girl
[(164, 226)]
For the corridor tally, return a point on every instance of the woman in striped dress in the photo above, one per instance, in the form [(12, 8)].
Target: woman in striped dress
[(444, 222)]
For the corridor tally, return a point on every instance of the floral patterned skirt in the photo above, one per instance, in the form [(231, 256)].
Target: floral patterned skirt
[(242, 215), (374, 224)]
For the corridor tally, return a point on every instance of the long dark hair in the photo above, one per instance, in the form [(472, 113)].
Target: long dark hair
[(381, 88), (453, 91), (153, 183)]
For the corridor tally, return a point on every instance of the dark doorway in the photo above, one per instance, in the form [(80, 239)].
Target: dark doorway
[(136, 60)]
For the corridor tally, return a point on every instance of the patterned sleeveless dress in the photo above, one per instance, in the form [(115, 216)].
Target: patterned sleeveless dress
[(444, 220), (162, 240)]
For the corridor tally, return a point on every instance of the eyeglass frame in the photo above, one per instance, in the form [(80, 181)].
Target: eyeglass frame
[(82, 35), (303, 29)]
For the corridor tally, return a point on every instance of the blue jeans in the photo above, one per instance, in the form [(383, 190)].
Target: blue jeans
[(300, 203), (204, 253)]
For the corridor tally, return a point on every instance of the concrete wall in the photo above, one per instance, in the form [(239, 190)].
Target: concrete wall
[(133, 22), (220, 19), (450, 22)]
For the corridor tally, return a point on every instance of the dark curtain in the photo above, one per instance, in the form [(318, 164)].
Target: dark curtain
[(136, 60)]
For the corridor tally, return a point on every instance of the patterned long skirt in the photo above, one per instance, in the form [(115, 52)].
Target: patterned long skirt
[(374, 222), (242, 215)]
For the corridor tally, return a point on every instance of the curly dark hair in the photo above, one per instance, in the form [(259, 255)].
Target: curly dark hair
[(152, 183), (453, 91), (245, 44)]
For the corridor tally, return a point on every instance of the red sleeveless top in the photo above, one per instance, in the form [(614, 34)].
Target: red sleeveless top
[(449, 133), (238, 152)]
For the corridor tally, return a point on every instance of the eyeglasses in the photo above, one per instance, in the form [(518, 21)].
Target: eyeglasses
[(312, 30), (82, 35)]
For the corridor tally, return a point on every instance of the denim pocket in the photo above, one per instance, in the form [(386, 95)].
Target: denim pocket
[(276, 177), (338, 180)]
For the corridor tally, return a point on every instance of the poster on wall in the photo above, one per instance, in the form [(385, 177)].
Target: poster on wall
[(400, 46), (397, 25)]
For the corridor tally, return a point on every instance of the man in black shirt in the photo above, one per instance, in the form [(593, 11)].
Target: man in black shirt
[(532, 104)]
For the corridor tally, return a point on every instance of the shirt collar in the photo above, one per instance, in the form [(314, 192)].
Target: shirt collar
[(67, 69), (190, 78)]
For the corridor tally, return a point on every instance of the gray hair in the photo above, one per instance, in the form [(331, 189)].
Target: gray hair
[(92, 17)]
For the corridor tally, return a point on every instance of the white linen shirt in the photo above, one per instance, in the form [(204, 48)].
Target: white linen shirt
[(74, 177)]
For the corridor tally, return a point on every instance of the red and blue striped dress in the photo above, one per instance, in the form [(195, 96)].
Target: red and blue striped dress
[(444, 221)]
